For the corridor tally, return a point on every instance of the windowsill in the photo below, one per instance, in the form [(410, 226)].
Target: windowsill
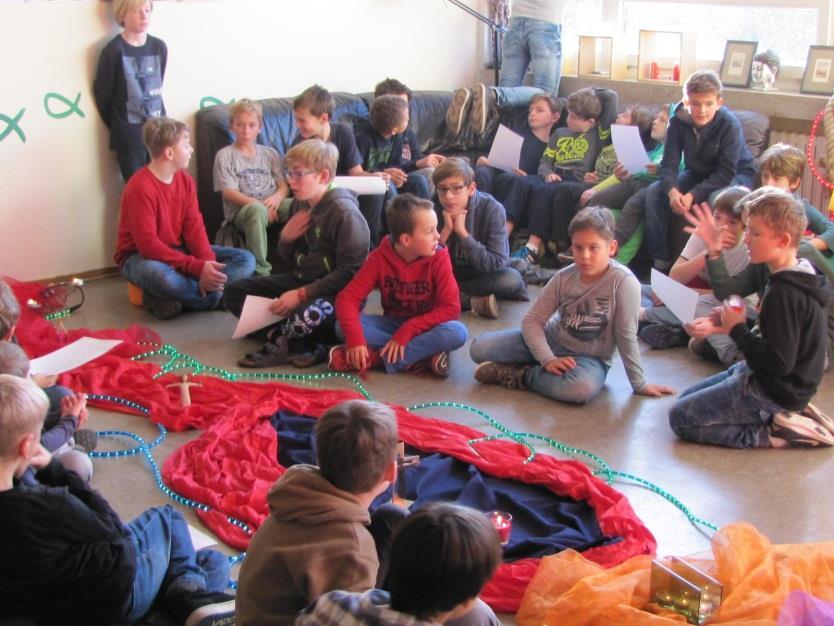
[(783, 105)]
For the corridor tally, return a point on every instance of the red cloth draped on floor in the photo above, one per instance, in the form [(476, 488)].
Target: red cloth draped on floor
[(232, 465)]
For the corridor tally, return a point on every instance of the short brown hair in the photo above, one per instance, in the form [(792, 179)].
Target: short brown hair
[(314, 153), (356, 441), (13, 360), (388, 113), (779, 210), (392, 87), (595, 218), (703, 81), (453, 166), (160, 133), (9, 309), (729, 201), (643, 118), (585, 104), (402, 212), (780, 159), (245, 105), (555, 104), (317, 100), (23, 407), (441, 556), (121, 8)]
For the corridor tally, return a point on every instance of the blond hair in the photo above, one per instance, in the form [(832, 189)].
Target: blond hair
[(245, 105), (356, 441), (779, 210), (159, 133), (122, 7), (780, 159), (23, 407), (314, 153)]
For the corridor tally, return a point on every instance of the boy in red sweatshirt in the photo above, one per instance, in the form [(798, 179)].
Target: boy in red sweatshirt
[(419, 294)]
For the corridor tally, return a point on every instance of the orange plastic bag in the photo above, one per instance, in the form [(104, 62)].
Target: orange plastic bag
[(569, 590)]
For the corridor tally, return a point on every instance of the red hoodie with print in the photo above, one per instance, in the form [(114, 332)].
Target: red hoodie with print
[(424, 292)]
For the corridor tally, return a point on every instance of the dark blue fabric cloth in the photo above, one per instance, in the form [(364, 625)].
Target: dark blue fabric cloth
[(543, 523)]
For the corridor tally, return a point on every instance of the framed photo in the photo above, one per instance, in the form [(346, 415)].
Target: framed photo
[(738, 59), (819, 71)]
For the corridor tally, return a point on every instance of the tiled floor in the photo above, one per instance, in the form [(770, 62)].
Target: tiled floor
[(785, 493)]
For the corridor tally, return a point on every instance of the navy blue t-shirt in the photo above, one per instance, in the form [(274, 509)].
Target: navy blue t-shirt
[(341, 136)]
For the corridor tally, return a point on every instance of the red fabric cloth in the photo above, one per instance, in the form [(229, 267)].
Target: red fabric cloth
[(424, 291), (232, 465), (156, 217)]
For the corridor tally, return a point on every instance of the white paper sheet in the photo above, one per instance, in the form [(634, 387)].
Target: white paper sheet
[(505, 152), (200, 539), (71, 356), (254, 316), (678, 298), (629, 148), (362, 185)]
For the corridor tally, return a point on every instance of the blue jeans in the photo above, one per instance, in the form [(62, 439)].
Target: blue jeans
[(514, 96), (163, 281), (578, 386), (535, 43), (379, 329), (728, 409), (165, 556)]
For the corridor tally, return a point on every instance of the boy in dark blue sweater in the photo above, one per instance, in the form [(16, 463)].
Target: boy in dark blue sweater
[(709, 139), (67, 557)]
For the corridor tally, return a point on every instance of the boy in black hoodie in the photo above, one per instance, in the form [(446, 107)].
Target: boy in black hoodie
[(709, 139), (763, 401), (67, 557), (323, 244)]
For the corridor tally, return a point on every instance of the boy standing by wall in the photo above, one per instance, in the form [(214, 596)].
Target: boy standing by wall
[(473, 230), (128, 83), (162, 246), (250, 178), (763, 401), (67, 557), (419, 299), (709, 139), (323, 245)]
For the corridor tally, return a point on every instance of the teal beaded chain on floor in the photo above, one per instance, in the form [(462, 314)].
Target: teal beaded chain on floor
[(177, 360)]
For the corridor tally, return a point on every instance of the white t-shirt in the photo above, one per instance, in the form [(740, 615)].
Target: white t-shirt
[(544, 10), (736, 259)]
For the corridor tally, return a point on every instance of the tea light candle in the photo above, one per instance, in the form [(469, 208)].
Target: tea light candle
[(503, 523), (735, 303)]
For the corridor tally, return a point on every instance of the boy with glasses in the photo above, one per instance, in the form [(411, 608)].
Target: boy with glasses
[(474, 231), (323, 244)]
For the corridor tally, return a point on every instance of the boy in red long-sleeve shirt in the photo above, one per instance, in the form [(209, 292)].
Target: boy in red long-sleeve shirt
[(419, 294)]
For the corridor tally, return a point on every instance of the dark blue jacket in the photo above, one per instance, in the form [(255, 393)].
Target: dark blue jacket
[(486, 248), (714, 154)]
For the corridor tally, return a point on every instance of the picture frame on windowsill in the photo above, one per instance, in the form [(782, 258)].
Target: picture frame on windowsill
[(737, 62), (818, 77)]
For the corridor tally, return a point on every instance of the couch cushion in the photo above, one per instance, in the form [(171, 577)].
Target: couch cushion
[(756, 129)]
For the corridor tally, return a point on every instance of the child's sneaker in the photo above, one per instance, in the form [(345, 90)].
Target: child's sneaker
[(219, 613), (485, 306), (510, 376), (161, 308), (663, 337), (790, 429), (818, 416), (439, 364), (564, 258), (483, 99), (456, 112), (526, 253), (316, 354), (272, 353), (702, 348)]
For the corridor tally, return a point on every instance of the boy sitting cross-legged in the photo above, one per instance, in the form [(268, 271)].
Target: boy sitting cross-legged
[(250, 178), (473, 229), (441, 557), (764, 400), (569, 336), (67, 557), (419, 297), (323, 244)]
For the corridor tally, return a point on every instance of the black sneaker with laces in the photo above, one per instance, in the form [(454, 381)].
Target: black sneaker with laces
[(161, 308)]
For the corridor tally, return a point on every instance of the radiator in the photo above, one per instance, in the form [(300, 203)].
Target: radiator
[(810, 189)]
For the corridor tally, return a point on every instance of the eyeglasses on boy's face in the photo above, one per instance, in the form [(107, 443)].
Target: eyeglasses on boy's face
[(297, 174), (454, 190)]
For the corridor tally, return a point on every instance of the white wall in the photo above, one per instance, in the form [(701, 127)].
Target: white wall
[(59, 191)]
